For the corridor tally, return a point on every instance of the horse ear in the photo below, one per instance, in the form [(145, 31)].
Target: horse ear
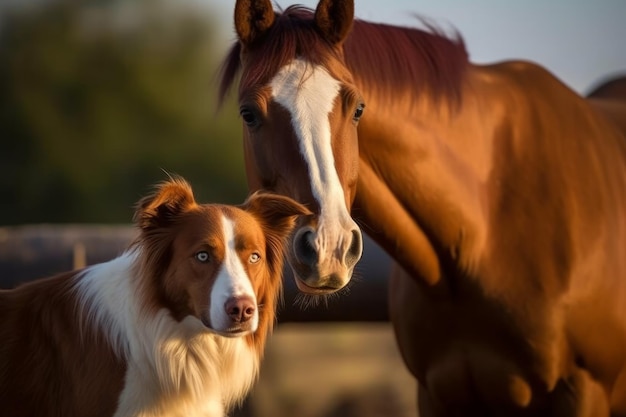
[(334, 19), (252, 19), (170, 199)]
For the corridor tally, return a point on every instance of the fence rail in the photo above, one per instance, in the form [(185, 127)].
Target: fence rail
[(35, 251)]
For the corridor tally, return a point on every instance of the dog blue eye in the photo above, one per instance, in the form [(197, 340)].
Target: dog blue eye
[(254, 258), (202, 256)]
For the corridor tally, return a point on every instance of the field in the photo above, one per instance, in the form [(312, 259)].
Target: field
[(332, 370)]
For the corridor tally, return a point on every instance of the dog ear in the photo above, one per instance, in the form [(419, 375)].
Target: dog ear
[(275, 211), (170, 199), (334, 19), (277, 215), (252, 19)]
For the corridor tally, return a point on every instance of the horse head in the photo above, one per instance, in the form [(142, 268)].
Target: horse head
[(300, 110)]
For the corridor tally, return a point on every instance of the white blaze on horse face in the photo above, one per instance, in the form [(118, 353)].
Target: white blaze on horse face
[(309, 92), (232, 281)]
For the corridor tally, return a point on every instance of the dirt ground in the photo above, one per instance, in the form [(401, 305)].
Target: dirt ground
[(332, 370)]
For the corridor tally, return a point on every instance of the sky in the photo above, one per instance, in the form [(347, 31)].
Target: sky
[(581, 41)]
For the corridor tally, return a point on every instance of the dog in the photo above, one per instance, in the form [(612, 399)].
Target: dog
[(175, 326)]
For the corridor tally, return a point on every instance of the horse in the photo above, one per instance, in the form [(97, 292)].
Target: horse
[(499, 192)]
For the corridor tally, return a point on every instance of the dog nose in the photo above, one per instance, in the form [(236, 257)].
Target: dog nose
[(240, 309)]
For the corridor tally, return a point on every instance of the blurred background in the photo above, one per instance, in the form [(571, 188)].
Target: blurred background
[(99, 98)]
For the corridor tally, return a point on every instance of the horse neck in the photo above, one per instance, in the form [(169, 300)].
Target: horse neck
[(421, 177), (440, 187)]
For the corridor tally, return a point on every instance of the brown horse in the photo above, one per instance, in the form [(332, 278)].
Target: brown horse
[(500, 193)]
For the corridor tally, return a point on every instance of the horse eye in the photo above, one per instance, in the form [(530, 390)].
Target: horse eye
[(202, 256), (248, 116), (254, 258), (358, 112)]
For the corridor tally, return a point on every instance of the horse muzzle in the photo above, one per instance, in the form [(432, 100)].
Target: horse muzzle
[(323, 259)]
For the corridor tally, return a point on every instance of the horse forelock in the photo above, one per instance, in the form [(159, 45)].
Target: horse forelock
[(293, 35), (384, 59)]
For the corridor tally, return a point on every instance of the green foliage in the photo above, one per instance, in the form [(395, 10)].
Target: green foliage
[(98, 99)]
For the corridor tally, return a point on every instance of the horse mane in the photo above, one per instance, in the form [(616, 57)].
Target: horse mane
[(389, 59), (382, 57)]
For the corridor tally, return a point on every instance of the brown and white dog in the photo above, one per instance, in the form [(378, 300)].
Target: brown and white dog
[(175, 326)]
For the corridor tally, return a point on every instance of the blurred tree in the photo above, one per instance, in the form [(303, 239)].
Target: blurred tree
[(98, 98)]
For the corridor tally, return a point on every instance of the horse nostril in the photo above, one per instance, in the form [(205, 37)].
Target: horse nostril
[(304, 249), (240, 309), (356, 248)]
